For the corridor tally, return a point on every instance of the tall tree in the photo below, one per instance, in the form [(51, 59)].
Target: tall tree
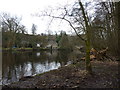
[(87, 28), (78, 19), (34, 29)]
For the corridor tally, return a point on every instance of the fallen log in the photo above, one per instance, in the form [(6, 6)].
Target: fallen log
[(99, 55), (92, 57)]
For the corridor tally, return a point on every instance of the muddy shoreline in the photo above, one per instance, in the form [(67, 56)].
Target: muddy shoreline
[(105, 75)]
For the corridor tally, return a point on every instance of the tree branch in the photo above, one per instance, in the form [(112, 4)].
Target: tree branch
[(63, 18)]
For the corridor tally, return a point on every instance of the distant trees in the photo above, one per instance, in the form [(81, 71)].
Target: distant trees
[(14, 34), (11, 23), (58, 38), (24, 40), (105, 27), (64, 42), (34, 29), (10, 26)]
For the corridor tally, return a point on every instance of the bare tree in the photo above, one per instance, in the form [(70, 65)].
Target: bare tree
[(11, 25), (78, 20), (106, 18)]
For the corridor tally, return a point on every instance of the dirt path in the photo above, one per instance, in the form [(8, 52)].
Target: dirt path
[(105, 75)]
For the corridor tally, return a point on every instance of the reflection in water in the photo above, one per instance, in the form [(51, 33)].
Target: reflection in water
[(19, 64), (0, 77), (0, 67), (38, 54), (47, 67)]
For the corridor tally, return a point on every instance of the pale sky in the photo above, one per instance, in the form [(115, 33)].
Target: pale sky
[(25, 8)]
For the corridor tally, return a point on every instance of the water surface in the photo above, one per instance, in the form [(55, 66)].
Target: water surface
[(18, 64)]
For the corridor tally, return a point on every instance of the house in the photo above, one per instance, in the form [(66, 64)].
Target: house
[(51, 42), (38, 45)]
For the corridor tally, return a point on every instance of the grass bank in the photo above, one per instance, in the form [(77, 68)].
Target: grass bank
[(23, 49)]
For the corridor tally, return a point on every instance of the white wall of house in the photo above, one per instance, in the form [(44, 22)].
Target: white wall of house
[(38, 45)]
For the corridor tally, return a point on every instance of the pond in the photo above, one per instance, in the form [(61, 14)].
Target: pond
[(18, 64)]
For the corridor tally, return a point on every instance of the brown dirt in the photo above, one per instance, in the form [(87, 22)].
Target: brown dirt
[(105, 75)]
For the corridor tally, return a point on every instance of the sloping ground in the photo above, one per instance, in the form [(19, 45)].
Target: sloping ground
[(105, 75)]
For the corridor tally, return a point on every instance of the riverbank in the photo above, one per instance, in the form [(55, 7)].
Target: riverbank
[(34, 49), (24, 49), (105, 75)]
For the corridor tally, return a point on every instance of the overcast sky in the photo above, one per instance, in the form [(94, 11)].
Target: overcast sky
[(24, 9)]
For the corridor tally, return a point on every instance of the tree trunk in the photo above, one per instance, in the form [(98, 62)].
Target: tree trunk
[(87, 61)]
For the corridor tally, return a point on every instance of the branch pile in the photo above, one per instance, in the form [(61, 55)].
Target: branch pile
[(98, 55)]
